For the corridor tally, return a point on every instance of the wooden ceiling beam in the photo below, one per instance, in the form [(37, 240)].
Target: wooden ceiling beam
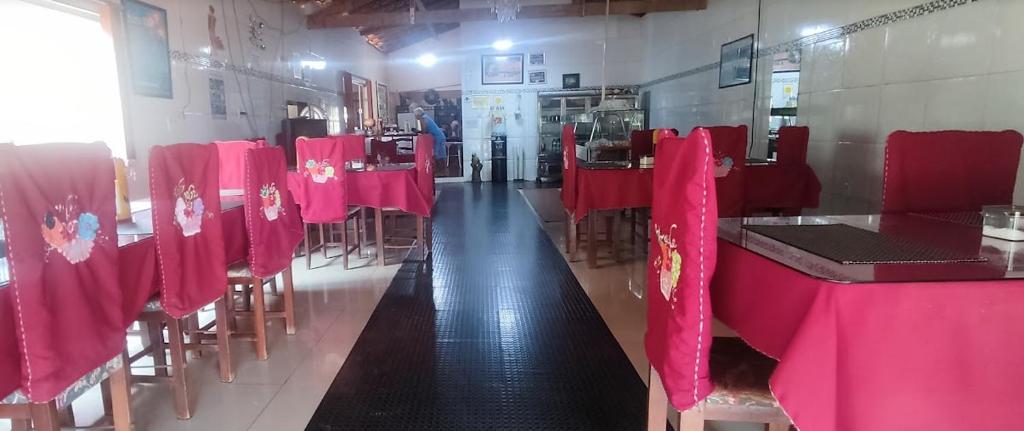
[(436, 16)]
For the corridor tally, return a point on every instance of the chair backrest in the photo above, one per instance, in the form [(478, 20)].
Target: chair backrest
[(380, 150), (425, 166), (183, 183), (353, 147), (271, 216), (680, 265), (58, 211), (641, 143), (792, 145), (947, 171), (321, 163), (729, 147), (568, 168), (231, 162)]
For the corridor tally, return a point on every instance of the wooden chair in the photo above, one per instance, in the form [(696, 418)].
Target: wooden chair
[(324, 196), (424, 156), (573, 235), (707, 379), (60, 237), (274, 230), (191, 265)]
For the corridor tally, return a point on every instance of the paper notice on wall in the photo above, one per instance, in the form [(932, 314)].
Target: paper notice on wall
[(480, 102)]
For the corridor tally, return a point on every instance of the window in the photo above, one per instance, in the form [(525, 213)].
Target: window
[(61, 84)]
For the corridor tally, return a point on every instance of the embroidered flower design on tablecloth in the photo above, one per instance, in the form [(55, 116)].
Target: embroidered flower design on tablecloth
[(70, 231), (188, 208), (320, 171), (668, 263), (723, 165), (270, 201)]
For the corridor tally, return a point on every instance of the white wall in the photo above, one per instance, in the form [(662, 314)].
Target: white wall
[(187, 117), (570, 45), (405, 74), (959, 68)]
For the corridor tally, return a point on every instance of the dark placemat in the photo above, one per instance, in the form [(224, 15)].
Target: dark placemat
[(851, 245), (967, 218)]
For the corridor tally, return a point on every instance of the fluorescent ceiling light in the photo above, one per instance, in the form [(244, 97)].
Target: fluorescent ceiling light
[(502, 44), (427, 60), (313, 64)]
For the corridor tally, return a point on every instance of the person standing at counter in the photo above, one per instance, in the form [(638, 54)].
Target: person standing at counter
[(440, 149)]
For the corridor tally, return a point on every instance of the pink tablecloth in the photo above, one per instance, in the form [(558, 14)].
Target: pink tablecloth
[(789, 187), (605, 189), (385, 188), (879, 356), (138, 277)]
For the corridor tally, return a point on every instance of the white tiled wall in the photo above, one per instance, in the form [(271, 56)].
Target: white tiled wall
[(961, 68), (187, 118)]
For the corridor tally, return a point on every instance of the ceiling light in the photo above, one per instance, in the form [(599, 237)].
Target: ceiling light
[(427, 60), (313, 64), (502, 44)]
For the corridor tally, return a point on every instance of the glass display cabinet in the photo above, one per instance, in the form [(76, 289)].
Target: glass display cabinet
[(602, 135)]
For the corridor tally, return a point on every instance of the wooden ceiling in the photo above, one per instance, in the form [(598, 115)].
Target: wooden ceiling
[(389, 25)]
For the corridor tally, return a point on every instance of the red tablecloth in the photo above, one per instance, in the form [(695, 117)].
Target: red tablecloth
[(879, 356), (780, 186), (382, 188), (605, 189), (139, 282)]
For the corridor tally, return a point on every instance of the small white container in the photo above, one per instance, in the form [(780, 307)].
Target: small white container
[(1003, 222)]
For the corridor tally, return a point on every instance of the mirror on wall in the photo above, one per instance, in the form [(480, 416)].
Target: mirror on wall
[(785, 88)]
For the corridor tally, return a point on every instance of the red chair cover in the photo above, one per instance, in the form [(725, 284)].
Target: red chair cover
[(353, 147), (271, 218), (231, 157), (424, 166), (730, 151), (58, 213), (682, 259), (183, 183), (950, 170), (568, 168), (322, 165), (792, 145), (641, 143)]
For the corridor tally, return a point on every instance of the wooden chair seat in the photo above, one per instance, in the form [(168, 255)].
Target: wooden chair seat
[(740, 374), (77, 389)]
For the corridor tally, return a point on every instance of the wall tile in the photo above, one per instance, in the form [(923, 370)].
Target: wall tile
[(1004, 102), (907, 50), (827, 59), (902, 108), (1009, 36), (862, 63), (956, 103), (857, 115), (962, 42)]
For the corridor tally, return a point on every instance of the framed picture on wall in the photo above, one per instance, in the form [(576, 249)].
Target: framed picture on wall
[(538, 77), (218, 100), (504, 69), (148, 49), (570, 80), (382, 101), (537, 59), (736, 62)]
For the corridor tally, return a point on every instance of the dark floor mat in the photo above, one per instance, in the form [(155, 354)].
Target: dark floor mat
[(852, 245), (494, 333)]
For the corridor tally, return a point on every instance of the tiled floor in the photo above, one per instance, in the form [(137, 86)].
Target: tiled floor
[(333, 307)]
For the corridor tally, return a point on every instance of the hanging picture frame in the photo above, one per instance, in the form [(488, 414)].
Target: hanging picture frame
[(538, 77), (148, 49), (502, 69), (537, 59), (382, 101), (570, 81), (736, 61)]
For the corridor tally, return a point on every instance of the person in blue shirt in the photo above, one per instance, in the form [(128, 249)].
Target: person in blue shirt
[(429, 126)]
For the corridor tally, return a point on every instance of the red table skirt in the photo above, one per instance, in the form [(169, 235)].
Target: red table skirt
[(789, 187), (605, 189), (139, 282), (898, 356), (392, 188)]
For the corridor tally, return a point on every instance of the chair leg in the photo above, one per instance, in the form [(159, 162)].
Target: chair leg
[(323, 240), (289, 301), (567, 229), (612, 225), (379, 216), (120, 394), (229, 308), (657, 402), (592, 240), (156, 341), (45, 417), (632, 225), (305, 227), (67, 416), (179, 381), (21, 424), (344, 244), (692, 419), (366, 231), (192, 330), (358, 223), (420, 239), (227, 373), (259, 318), (777, 426)]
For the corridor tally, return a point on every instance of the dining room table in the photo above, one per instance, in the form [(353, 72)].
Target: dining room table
[(137, 271), (601, 188), (879, 322), (384, 187)]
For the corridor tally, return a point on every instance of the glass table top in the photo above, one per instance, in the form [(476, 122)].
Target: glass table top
[(1004, 259)]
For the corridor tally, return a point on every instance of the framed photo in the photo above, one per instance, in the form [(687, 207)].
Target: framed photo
[(570, 80), (382, 101), (501, 69), (537, 59), (538, 77), (218, 100), (736, 62), (148, 49)]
